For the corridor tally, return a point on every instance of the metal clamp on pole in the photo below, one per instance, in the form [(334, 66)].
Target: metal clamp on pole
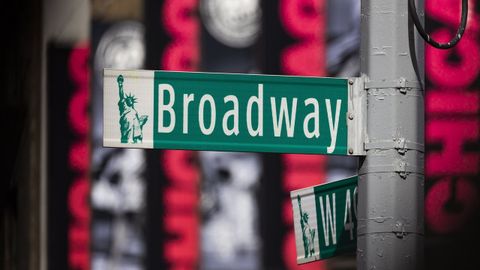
[(399, 84), (401, 144)]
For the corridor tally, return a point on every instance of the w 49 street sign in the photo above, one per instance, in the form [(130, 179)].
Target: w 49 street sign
[(325, 220), (233, 112)]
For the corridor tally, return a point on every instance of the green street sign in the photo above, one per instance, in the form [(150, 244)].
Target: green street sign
[(325, 220), (233, 112)]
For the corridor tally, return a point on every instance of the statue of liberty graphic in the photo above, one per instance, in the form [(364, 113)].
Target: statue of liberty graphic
[(131, 124), (308, 233)]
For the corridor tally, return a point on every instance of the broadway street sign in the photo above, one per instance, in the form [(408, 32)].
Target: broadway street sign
[(233, 112), (325, 220)]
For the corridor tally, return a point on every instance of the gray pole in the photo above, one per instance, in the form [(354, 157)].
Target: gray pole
[(390, 209)]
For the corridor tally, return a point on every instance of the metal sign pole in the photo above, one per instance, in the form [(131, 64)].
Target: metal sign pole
[(390, 210)]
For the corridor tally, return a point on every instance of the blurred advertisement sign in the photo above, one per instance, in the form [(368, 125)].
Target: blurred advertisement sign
[(230, 234), (229, 34), (68, 157), (172, 32), (230, 185), (452, 136), (118, 176), (233, 23)]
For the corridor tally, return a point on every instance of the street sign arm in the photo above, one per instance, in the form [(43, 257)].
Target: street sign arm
[(356, 116)]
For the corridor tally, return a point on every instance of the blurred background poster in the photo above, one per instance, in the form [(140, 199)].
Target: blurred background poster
[(118, 176), (68, 157), (229, 207), (452, 131), (173, 209)]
